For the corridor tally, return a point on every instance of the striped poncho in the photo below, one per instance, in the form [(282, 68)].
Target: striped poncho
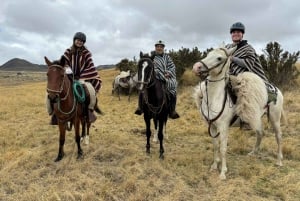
[(81, 63), (245, 59), (164, 64)]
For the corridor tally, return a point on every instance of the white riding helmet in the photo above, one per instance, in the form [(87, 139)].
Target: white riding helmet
[(160, 42)]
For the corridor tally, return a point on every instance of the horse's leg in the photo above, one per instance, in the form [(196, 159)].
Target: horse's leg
[(118, 88), (155, 139), (275, 116), (129, 93), (77, 137), (216, 148), (148, 132), (223, 150), (256, 125), (62, 134), (83, 134), (161, 138), (87, 136)]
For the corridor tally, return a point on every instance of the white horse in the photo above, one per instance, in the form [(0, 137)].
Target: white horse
[(217, 108), (124, 80)]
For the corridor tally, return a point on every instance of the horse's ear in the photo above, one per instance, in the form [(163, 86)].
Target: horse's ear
[(141, 54), (153, 53), (231, 50), (222, 45), (48, 62), (62, 61)]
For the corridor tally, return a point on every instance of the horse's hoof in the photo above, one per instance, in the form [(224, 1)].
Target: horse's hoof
[(59, 157), (222, 176), (213, 167), (161, 156), (148, 151), (252, 153), (279, 163), (80, 155), (85, 139)]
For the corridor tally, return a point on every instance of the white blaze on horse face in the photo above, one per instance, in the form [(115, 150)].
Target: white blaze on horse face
[(144, 65)]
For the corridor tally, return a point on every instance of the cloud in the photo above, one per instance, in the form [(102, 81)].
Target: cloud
[(118, 29)]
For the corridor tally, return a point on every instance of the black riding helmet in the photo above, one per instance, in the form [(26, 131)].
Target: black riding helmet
[(79, 35), (237, 26)]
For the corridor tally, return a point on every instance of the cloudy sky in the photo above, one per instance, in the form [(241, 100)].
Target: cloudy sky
[(117, 29)]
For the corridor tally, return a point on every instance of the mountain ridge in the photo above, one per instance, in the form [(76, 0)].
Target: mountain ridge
[(18, 64)]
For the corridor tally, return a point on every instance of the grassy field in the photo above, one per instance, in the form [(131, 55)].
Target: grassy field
[(115, 165)]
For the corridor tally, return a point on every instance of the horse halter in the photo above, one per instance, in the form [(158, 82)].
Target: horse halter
[(63, 80), (207, 69)]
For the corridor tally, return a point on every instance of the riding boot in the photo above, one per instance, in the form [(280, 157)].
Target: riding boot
[(92, 116), (173, 114), (139, 109)]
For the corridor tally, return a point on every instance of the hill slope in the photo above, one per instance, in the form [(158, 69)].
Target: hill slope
[(17, 64)]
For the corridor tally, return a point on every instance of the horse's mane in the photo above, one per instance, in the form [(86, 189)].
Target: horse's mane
[(60, 62)]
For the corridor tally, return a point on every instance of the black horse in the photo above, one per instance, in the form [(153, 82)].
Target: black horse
[(155, 101)]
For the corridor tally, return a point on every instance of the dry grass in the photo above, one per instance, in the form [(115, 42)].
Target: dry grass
[(115, 165)]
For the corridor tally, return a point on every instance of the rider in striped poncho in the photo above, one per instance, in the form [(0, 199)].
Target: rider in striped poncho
[(165, 71), (244, 58), (79, 66), (79, 59)]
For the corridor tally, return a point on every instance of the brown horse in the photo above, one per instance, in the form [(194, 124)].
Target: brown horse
[(65, 106)]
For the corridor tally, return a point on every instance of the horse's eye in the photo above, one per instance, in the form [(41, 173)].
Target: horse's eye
[(219, 58)]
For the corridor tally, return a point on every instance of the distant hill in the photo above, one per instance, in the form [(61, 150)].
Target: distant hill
[(106, 66), (17, 64)]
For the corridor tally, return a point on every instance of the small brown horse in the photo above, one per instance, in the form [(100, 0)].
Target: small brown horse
[(66, 108)]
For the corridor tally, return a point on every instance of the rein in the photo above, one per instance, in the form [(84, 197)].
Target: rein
[(210, 121), (61, 99), (207, 118), (150, 83), (215, 66)]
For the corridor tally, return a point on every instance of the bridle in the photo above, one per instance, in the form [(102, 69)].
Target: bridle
[(149, 78), (62, 84), (207, 70), (207, 118), (58, 99), (149, 83)]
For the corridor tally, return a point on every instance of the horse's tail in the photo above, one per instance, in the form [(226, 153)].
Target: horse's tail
[(97, 109)]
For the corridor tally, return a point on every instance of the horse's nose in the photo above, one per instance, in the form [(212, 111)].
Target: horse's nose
[(52, 97)]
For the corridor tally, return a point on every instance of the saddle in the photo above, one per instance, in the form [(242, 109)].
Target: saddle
[(82, 95), (125, 79)]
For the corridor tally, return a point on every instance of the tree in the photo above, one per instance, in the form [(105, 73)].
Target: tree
[(279, 66), (185, 58), (125, 65)]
